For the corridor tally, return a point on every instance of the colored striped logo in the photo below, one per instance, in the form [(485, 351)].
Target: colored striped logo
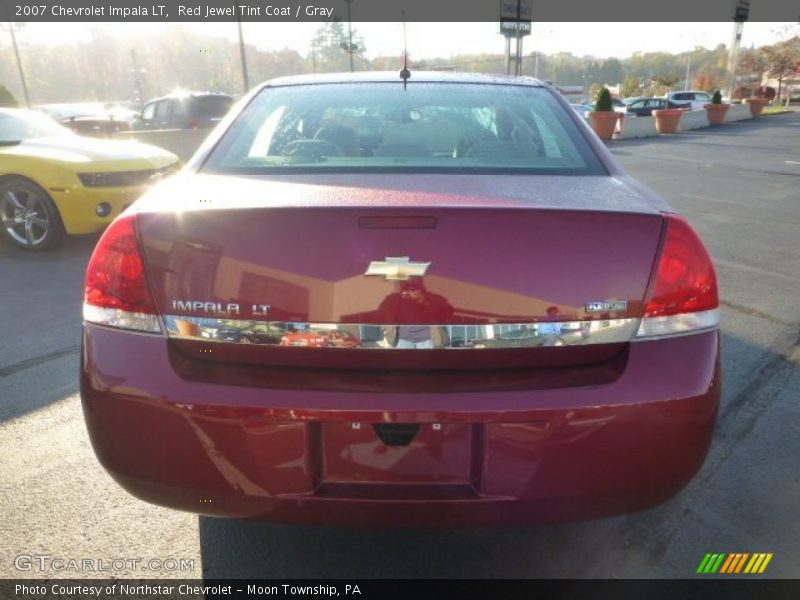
[(737, 562)]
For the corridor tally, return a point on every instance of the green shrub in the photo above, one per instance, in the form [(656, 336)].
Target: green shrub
[(716, 98), (7, 99), (602, 102)]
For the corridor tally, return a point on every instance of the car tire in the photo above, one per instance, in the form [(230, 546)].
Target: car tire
[(28, 216)]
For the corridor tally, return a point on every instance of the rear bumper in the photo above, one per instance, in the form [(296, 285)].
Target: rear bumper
[(479, 458)]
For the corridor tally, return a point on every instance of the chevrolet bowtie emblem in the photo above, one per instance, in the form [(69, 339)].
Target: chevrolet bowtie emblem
[(397, 268)]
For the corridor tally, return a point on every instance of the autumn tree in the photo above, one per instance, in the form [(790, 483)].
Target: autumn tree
[(752, 66), (780, 59), (706, 81)]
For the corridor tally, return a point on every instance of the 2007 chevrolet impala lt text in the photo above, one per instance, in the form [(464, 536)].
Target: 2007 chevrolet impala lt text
[(380, 300)]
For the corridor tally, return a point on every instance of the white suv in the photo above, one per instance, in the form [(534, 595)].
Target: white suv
[(697, 99)]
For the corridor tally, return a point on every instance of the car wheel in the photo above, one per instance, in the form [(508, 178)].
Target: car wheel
[(29, 217)]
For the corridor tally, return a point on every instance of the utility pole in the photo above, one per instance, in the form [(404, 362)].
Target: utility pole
[(19, 65), (242, 55)]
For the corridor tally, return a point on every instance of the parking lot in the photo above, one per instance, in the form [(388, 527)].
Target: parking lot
[(740, 187)]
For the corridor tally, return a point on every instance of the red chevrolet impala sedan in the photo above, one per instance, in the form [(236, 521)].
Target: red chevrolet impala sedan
[(532, 334)]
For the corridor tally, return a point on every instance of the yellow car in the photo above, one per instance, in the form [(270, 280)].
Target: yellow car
[(54, 183)]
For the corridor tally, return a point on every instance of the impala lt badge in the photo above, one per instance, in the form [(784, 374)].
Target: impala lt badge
[(397, 268), (218, 308), (606, 306)]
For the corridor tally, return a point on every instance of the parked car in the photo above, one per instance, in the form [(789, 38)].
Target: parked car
[(646, 106), (289, 216), (515, 338), (582, 108), (93, 119), (320, 339), (697, 100), (631, 99), (64, 111), (264, 333), (184, 110), (618, 105), (53, 182)]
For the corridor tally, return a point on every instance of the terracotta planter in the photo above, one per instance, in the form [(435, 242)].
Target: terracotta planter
[(756, 106), (604, 123), (668, 119), (716, 113), (187, 327)]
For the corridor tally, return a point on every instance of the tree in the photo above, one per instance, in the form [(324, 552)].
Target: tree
[(7, 99), (630, 87), (667, 80), (595, 89), (753, 65), (329, 47), (611, 72), (780, 59), (705, 81)]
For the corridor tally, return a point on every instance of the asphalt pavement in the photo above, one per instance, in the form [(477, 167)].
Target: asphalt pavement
[(738, 184)]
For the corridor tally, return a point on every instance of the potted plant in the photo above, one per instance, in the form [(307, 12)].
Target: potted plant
[(763, 94), (667, 119), (604, 119), (717, 110)]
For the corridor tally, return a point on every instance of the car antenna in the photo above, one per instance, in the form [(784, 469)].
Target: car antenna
[(405, 74)]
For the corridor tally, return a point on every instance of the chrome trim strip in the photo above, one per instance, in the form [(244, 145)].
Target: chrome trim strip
[(369, 336), (121, 319), (673, 325)]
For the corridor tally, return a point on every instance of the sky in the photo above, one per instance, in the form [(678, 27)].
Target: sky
[(430, 40)]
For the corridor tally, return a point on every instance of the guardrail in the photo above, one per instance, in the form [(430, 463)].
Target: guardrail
[(738, 112), (641, 127), (694, 119), (636, 127)]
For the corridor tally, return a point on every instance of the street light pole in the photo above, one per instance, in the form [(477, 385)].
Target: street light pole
[(740, 14), (243, 56), (349, 34), (733, 58), (19, 65), (688, 71)]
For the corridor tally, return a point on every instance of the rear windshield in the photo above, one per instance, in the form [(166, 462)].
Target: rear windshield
[(381, 127), (212, 106)]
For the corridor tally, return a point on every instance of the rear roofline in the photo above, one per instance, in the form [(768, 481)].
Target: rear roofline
[(394, 77)]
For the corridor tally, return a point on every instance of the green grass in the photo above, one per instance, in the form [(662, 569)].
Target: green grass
[(774, 110)]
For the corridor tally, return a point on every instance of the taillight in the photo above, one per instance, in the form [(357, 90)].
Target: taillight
[(682, 296), (116, 293)]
